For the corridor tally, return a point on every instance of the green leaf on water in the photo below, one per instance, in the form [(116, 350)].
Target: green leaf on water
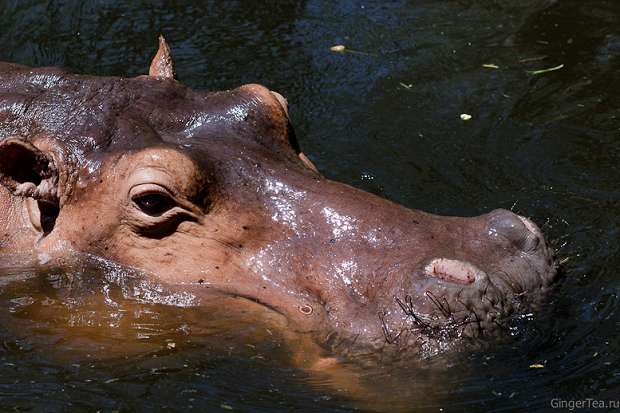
[(541, 71)]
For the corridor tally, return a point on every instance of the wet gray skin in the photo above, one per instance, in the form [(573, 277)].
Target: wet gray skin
[(209, 193)]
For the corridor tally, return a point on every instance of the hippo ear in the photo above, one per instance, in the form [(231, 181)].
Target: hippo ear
[(251, 112), (268, 112), (28, 172), (281, 110), (162, 66)]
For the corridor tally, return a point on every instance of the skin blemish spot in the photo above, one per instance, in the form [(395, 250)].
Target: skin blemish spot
[(306, 309)]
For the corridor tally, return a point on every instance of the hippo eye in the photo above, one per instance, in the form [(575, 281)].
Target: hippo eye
[(154, 203)]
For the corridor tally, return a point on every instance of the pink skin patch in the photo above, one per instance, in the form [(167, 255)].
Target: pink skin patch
[(455, 271)]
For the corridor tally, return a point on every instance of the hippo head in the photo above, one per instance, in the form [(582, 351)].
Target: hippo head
[(209, 192)]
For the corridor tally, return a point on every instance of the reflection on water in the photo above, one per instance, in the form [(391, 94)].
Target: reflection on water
[(85, 331), (387, 121), (103, 329)]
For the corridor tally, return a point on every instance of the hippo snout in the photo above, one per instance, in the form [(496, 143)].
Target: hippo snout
[(468, 291), (505, 265)]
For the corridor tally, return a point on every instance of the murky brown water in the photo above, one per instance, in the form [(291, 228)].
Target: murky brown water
[(386, 120)]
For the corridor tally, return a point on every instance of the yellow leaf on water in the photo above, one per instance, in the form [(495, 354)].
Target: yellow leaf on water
[(541, 71), (340, 48), (537, 366)]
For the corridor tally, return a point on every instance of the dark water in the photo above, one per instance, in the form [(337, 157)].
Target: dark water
[(386, 120)]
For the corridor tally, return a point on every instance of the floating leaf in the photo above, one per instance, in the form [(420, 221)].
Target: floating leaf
[(340, 48), (490, 66), (541, 71), (537, 366), (226, 406), (465, 116), (532, 59)]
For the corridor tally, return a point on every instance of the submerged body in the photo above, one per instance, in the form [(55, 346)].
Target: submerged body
[(209, 193)]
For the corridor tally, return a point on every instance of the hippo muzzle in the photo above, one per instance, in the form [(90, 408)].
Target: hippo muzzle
[(459, 297)]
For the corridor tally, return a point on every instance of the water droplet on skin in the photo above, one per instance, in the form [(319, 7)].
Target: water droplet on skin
[(43, 258)]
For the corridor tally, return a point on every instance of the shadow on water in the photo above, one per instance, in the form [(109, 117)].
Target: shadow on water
[(388, 121)]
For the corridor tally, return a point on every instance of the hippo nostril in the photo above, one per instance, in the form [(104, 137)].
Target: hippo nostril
[(517, 230)]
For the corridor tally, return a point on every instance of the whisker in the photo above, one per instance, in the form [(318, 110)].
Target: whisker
[(445, 311)]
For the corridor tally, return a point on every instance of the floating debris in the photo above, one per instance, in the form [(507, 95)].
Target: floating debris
[(537, 366), (226, 406), (541, 71), (490, 66), (406, 86), (171, 345), (465, 116), (532, 59), (340, 48)]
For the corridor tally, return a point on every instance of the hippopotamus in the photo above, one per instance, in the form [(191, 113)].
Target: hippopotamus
[(209, 192)]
